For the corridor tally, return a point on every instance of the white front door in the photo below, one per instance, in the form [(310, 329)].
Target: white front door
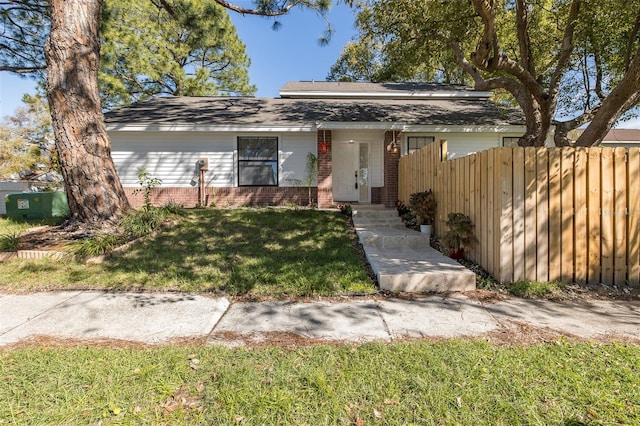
[(350, 162)]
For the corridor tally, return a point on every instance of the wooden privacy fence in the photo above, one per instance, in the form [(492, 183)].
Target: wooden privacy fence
[(542, 214)]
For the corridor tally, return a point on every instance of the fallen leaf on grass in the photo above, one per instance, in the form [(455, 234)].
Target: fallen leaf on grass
[(182, 399), (391, 402), (238, 420), (377, 414), (359, 422)]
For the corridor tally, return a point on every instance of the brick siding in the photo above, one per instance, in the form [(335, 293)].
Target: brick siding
[(325, 180), (389, 193), (226, 197)]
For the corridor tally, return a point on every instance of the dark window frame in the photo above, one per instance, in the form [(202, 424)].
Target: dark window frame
[(409, 137), (244, 162)]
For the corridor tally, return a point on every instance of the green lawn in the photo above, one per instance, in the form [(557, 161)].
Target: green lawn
[(264, 252), (452, 382), (10, 226)]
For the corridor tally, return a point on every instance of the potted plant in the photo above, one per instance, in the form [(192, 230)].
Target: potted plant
[(460, 234), (424, 205)]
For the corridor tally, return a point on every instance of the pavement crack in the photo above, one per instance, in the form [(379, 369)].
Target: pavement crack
[(213, 329), (384, 322), (39, 314)]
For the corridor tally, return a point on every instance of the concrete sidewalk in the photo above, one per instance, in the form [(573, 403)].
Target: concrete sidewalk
[(161, 318)]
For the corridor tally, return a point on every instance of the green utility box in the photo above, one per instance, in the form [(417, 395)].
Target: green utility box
[(37, 205)]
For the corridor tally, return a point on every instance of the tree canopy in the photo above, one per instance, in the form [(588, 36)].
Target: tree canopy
[(182, 47), (72, 56), (189, 49), (558, 59), (26, 137)]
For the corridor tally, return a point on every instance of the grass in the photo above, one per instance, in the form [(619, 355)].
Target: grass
[(450, 382), (265, 252), (14, 227), (535, 289)]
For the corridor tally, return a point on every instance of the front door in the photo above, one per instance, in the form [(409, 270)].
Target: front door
[(351, 172)]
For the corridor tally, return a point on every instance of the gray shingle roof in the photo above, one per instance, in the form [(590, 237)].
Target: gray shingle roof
[(240, 111), (368, 90)]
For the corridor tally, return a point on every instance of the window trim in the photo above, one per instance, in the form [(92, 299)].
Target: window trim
[(407, 150), (274, 163)]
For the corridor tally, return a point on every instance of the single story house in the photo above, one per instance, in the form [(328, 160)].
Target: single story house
[(616, 138), (255, 149)]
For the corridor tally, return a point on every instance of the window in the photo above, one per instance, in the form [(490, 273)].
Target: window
[(414, 143), (510, 141), (257, 161)]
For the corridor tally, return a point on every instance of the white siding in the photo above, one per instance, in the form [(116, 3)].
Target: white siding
[(7, 188), (461, 144), (293, 156), (172, 156)]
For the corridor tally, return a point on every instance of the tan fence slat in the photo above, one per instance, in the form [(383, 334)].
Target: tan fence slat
[(555, 212), (505, 253), (607, 211), (542, 187), (620, 217), (490, 265), (633, 250), (519, 243), (567, 212), (530, 210), (472, 200), (580, 207), (484, 213), (594, 173)]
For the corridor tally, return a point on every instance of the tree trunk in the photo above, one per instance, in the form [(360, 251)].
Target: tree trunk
[(95, 194)]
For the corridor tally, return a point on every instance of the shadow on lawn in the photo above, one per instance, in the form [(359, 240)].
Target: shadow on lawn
[(270, 251)]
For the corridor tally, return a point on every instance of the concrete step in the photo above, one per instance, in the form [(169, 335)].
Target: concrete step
[(376, 214), (418, 270), (393, 238), (379, 223)]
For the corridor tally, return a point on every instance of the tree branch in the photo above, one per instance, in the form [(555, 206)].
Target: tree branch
[(524, 42), (566, 49), (264, 12)]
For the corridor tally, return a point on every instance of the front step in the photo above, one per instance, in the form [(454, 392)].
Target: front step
[(403, 259), (419, 271), (394, 239)]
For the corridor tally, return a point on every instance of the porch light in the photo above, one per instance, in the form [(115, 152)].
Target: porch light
[(324, 146), (393, 146)]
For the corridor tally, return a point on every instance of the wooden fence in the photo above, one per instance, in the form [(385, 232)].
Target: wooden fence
[(543, 214)]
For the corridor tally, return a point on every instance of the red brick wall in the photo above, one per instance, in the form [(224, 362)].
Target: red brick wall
[(325, 182), (389, 193), (223, 197)]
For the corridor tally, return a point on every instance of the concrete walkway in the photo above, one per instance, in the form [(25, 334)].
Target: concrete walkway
[(165, 318), (403, 259)]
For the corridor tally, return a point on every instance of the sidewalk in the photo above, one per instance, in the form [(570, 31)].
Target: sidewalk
[(153, 318)]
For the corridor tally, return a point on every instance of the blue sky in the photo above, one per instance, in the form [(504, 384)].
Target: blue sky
[(291, 53)]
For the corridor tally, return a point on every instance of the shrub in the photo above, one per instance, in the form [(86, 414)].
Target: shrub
[(424, 206), (460, 234), (97, 245), (142, 222), (173, 208), (9, 242), (345, 209)]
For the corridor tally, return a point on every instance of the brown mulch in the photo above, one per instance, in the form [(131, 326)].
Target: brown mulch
[(53, 238)]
